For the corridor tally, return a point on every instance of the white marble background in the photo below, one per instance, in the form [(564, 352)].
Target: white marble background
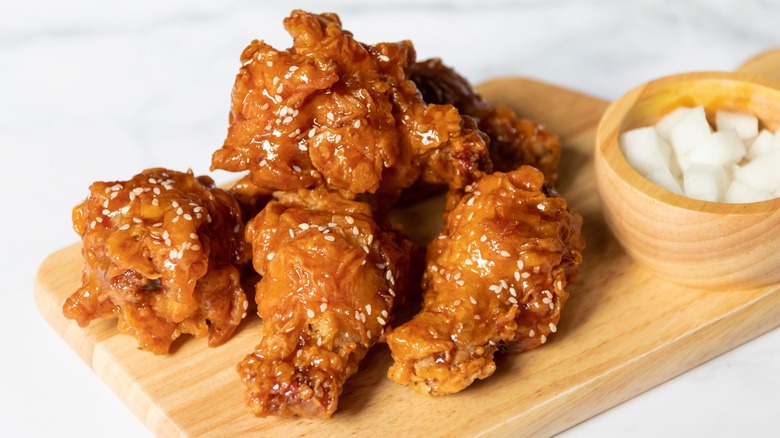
[(93, 90)]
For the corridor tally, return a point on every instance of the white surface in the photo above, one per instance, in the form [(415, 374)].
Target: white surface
[(135, 84)]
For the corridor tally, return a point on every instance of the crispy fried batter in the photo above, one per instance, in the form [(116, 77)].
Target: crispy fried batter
[(496, 278), (333, 112), (160, 253), (331, 277), (514, 141)]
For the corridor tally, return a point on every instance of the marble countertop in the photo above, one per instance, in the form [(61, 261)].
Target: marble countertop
[(83, 79)]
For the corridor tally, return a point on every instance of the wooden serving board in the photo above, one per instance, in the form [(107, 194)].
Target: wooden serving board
[(623, 331)]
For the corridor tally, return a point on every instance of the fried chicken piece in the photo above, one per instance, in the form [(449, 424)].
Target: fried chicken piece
[(495, 279), (334, 112), (161, 253), (331, 277), (513, 141)]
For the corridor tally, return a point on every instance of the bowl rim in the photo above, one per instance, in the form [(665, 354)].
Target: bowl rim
[(608, 149)]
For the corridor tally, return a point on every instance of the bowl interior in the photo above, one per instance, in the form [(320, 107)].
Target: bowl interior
[(647, 104)]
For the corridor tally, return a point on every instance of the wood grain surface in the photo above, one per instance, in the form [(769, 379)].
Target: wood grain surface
[(622, 332)]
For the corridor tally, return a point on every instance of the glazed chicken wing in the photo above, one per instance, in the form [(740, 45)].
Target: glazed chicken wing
[(496, 278), (331, 277), (334, 112), (513, 141), (160, 253)]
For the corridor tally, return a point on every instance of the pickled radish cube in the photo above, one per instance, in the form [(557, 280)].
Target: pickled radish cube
[(664, 178), (691, 130), (762, 173), (665, 125), (741, 193), (763, 143), (707, 182), (721, 148), (745, 124), (645, 150)]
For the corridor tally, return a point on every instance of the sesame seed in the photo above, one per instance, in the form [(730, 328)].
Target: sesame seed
[(434, 268), (365, 248), (329, 116), (323, 307), (193, 236), (132, 198), (124, 227), (495, 288), (368, 309), (187, 216), (363, 262), (292, 234), (512, 291), (135, 219), (457, 276), (265, 106), (152, 181), (270, 256), (470, 202), (179, 211), (172, 254), (124, 209), (513, 300), (195, 247), (330, 238), (477, 317), (391, 292), (99, 219), (517, 275), (483, 238), (338, 138), (165, 235), (460, 282), (332, 224), (525, 274), (357, 124), (303, 226), (531, 333), (370, 238), (553, 328), (106, 211), (114, 195), (278, 98), (168, 242), (468, 262), (503, 284), (92, 225), (546, 300), (312, 132), (355, 231), (155, 201), (544, 339), (471, 216), (269, 63), (157, 191), (287, 120), (384, 58), (296, 168), (280, 89), (310, 313), (560, 284), (473, 300), (520, 264), (235, 229), (299, 352), (158, 224), (477, 193), (504, 253), (380, 265), (384, 313), (302, 147), (350, 220), (388, 275), (197, 209), (381, 320)]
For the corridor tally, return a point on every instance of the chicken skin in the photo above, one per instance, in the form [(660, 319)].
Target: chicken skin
[(161, 253), (334, 112), (331, 278), (496, 279), (513, 141)]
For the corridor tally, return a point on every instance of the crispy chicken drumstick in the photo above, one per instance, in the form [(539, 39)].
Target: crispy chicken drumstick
[(496, 278)]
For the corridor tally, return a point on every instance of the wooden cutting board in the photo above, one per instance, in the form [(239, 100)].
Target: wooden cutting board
[(623, 331)]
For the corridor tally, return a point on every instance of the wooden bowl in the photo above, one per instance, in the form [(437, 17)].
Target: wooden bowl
[(690, 242)]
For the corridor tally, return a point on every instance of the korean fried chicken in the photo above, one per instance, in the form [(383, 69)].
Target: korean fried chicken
[(496, 279), (160, 253), (331, 278), (334, 112), (513, 141)]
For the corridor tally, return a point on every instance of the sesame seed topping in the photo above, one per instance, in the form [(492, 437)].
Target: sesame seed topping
[(287, 120), (546, 300), (280, 89), (270, 256), (495, 288), (355, 231), (381, 320), (512, 291), (292, 234), (310, 313), (532, 333), (553, 328), (155, 201), (513, 300), (473, 300), (368, 309), (92, 225), (296, 168), (330, 116), (468, 262), (303, 226), (350, 220), (323, 307), (99, 219), (470, 202), (179, 211), (457, 276), (483, 238), (384, 313), (106, 211), (195, 247), (520, 264), (187, 216), (384, 58), (332, 224), (517, 275), (330, 238), (388, 275), (338, 138), (312, 131), (124, 227), (152, 181), (503, 284), (460, 282), (156, 190), (370, 238), (380, 265), (193, 236), (477, 317), (391, 292), (504, 253), (365, 248), (135, 219), (302, 147), (544, 339), (269, 63), (525, 274), (357, 124)]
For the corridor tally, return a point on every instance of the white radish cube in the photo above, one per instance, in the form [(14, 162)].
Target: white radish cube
[(741, 193), (664, 178), (645, 150), (722, 148), (691, 130), (707, 182), (745, 124), (762, 173), (763, 143), (665, 125)]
